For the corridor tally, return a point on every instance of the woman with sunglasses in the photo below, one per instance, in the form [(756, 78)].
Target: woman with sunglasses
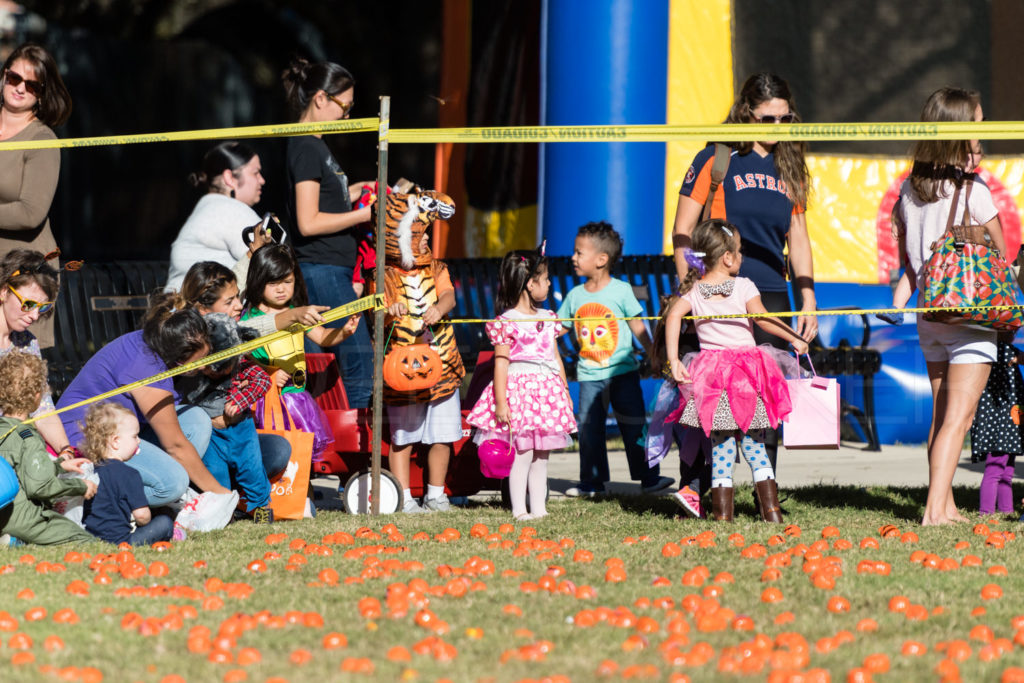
[(764, 193), (232, 180), (33, 101), (28, 293), (320, 218)]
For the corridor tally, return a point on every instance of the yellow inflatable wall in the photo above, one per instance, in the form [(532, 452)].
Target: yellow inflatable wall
[(847, 215)]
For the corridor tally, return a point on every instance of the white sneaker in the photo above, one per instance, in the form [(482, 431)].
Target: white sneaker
[(437, 504), (208, 511), (412, 507)]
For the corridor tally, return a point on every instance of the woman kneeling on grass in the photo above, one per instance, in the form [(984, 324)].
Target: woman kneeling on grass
[(173, 440)]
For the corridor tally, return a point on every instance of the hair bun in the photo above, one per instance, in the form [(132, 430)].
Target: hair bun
[(198, 179), (297, 70)]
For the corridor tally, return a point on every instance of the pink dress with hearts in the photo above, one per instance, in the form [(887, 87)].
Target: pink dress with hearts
[(538, 400)]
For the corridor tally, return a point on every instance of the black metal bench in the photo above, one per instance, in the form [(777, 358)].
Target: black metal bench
[(849, 360), (97, 304), (476, 287), (102, 301)]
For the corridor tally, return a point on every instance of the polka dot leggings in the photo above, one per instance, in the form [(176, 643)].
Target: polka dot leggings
[(723, 455)]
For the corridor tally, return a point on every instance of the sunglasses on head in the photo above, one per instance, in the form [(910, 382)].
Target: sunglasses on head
[(345, 107), (68, 265), (28, 305), (34, 87), (768, 118)]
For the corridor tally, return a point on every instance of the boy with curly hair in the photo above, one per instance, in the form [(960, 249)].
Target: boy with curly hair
[(29, 518), (608, 372)]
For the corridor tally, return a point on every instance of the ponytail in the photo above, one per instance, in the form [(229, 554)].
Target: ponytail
[(692, 275), (303, 79), (227, 156), (516, 270), (172, 331)]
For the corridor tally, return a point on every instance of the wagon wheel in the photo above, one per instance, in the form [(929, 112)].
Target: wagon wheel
[(358, 500)]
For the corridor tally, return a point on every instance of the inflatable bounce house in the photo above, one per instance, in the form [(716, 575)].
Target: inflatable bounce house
[(680, 62)]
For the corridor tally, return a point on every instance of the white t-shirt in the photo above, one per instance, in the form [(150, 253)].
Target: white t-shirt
[(926, 223), (212, 233)]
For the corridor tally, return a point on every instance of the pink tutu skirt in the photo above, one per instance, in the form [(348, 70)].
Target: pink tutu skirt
[(742, 388), (540, 408), (304, 415)]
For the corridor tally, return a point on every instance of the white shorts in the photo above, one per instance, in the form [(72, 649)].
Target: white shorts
[(956, 344), (436, 422)]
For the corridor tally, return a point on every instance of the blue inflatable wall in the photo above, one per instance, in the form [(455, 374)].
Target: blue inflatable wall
[(903, 399), (604, 62)]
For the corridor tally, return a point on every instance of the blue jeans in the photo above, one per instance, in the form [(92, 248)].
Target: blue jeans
[(234, 453), (160, 528), (163, 478), (627, 402), (276, 452), (329, 285)]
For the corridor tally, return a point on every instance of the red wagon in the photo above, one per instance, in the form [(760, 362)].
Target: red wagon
[(353, 433)]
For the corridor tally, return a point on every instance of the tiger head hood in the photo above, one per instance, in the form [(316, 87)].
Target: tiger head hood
[(409, 216)]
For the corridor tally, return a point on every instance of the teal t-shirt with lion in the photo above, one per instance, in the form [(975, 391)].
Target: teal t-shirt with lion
[(606, 344)]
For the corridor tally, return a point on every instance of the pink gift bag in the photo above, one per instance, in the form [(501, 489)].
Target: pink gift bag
[(814, 421)]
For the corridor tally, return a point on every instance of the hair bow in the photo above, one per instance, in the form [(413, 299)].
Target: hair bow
[(695, 259)]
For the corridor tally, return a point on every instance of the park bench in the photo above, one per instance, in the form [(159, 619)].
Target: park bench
[(102, 301)]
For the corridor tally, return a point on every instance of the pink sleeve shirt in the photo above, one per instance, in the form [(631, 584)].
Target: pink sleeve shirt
[(724, 334)]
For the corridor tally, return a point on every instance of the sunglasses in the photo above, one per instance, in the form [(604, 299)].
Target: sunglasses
[(768, 118), (27, 305), (68, 265), (345, 108), (15, 79)]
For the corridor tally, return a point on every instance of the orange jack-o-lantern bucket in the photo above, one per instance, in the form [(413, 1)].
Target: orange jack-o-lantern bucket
[(411, 368)]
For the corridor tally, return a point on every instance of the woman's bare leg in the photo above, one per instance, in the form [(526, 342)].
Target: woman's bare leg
[(956, 390)]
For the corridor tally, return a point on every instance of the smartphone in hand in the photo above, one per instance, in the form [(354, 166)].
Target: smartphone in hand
[(270, 226)]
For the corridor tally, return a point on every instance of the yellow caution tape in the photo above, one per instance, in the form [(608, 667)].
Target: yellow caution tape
[(982, 130), (357, 306), (282, 130), (777, 314), (377, 301), (960, 130)]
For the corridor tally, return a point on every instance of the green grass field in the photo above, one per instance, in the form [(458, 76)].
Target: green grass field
[(511, 605)]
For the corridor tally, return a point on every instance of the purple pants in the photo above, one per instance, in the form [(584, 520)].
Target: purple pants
[(997, 484)]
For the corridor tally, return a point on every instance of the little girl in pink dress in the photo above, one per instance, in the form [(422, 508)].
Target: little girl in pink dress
[(733, 389), (528, 401)]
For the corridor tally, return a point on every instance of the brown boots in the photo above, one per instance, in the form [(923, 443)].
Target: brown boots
[(768, 500), (722, 503)]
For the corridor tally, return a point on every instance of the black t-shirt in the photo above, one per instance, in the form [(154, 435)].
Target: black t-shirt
[(308, 158), (108, 514)]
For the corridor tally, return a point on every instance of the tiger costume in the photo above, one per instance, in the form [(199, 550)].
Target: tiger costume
[(412, 277)]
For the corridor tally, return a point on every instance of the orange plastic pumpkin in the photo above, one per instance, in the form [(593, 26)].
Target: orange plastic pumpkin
[(412, 368)]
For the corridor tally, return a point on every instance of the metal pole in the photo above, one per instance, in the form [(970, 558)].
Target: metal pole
[(378, 314)]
